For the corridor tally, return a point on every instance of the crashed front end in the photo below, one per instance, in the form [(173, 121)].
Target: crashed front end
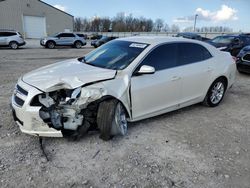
[(63, 112)]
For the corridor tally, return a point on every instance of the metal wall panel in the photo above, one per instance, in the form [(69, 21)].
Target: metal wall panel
[(13, 11)]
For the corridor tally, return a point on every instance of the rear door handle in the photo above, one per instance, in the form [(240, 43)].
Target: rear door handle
[(175, 78)]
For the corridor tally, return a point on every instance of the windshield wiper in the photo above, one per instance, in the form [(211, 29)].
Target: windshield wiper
[(83, 59)]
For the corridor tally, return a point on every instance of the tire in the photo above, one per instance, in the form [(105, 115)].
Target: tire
[(13, 45), (50, 44), (111, 119), (215, 93), (78, 44)]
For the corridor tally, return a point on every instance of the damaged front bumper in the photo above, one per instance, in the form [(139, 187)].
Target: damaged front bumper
[(27, 116), (62, 112)]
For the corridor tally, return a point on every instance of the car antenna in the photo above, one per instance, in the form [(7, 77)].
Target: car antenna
[(42, 148)]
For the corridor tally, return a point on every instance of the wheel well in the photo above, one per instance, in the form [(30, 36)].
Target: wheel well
[(78, 41), (225, 79), (221, 77), (109, 97), (13, 41), (50, 41)]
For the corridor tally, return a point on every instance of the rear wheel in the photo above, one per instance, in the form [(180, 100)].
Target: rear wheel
[(78, 44), (215, 93), (13, 45), (50, 45), (111, 119)]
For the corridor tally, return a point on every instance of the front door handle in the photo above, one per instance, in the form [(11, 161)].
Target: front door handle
[(175, 78)]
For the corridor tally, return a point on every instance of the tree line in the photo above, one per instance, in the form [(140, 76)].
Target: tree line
[(122, 23), (129, 23)]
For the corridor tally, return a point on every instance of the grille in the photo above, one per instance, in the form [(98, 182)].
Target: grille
[(21, 90), (19, 101)]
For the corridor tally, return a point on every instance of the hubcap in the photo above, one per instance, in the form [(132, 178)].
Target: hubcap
[(78, 45), (217, 93), (120, 120), (14, 45), (51, 45)]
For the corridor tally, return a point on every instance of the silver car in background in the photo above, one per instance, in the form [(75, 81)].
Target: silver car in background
[(63, 39), (11, 38)]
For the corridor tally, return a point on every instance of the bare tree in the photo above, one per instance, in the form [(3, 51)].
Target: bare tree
[(77, 24), (175, 28), (105, 24), (158, 25)]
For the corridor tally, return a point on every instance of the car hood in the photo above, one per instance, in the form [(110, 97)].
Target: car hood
[(67, 74)]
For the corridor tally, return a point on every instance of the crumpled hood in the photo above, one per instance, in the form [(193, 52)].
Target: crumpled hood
[(67, 74)]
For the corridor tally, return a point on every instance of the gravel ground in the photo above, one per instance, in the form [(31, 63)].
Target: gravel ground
[(193, 147)]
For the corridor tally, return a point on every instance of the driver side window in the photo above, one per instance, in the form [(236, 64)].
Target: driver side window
[(162, 57)]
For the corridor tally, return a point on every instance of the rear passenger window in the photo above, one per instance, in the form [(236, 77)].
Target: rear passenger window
[(162, 57), (66, 35), (8, 34), (69, 35), (191, 53)]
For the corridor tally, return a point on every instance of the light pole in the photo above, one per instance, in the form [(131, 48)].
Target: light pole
[(195, 18)]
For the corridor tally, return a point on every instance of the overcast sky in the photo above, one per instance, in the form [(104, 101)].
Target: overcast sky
[(231, 13)]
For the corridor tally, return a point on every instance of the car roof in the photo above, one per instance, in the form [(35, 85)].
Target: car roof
[(189, 33), (156, 39)]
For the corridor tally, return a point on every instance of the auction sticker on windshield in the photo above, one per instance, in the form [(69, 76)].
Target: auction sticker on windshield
[(137, 45)]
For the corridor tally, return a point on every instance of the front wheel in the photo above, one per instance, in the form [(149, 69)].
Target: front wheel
[(13, 45), (50, 45), (111, 119), (215, 93), (78, 44)]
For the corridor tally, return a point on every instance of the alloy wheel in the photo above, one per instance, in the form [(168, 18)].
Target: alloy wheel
[(217, 92)]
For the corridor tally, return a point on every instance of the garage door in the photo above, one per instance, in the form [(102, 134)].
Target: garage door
[(34, 27)]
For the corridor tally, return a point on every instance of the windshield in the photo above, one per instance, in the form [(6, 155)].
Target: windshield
[(103, 38), (223, 39), (115, 55), (55, 35)]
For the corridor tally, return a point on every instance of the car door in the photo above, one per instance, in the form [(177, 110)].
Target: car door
[(59, 39), (65, 39), (152, 94), (69, 38), (195, 67)]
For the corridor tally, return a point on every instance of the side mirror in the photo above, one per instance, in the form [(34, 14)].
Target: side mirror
[(145, 69), (246, 57)]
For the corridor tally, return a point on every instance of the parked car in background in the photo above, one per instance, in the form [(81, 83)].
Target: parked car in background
[(231, 43), (190, 35), (94, 36), (11, 38), (127, 79), (243, 60), (63, 39), (82, 35), (103, 40)]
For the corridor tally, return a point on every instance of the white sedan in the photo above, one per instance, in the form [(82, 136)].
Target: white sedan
[(124, 80)]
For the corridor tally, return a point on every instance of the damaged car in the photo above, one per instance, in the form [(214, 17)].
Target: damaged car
[(123, 81)]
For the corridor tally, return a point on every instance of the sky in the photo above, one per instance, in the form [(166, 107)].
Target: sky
[(228, 13)]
